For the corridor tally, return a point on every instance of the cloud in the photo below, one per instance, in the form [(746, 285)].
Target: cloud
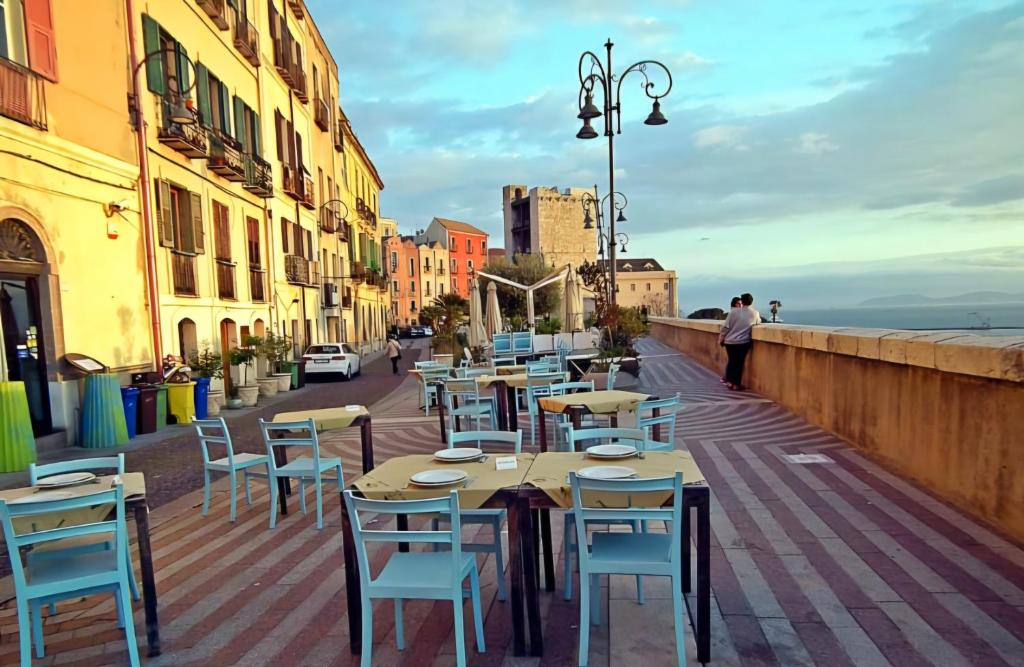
[(815, 143), (721, 136)]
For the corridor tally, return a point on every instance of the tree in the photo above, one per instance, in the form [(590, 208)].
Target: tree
[(446, 312), (656, 304), (525, 270)]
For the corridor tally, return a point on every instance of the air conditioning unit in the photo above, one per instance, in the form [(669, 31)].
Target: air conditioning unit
[(330, 295)]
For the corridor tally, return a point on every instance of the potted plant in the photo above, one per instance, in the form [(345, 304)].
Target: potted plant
[(207, 365), (276, 349), (243, 357)]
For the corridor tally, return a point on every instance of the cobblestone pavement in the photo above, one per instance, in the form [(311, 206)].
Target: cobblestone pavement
[(834, 564)]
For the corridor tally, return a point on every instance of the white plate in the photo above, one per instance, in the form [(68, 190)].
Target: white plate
[(67, 479), (353, 408), (611, 451), (606, 472), (438, 477), (458, 454), (42, 497)]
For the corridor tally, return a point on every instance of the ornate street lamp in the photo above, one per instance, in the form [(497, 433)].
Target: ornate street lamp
[(595, 76), (593, 204)]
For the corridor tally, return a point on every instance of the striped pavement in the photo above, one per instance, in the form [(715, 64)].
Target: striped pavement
[(837, 563)]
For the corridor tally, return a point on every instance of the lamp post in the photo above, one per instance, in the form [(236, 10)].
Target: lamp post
[(617, 204), (611, 89)]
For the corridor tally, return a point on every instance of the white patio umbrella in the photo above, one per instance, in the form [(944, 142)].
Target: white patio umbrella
[(477, 335), (572, 304), (492, 316)]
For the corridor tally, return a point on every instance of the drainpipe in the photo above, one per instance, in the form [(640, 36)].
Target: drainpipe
[(145, 192)]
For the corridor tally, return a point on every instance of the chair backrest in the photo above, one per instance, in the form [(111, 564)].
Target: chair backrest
[(587, 437), (514, 438), (18, 538), (503, 361), (427, 364), (108, 464), (502, 343), (627, 489), (613, 371), (563, 342), (522, 342), (287, 431), (476, 372), (465, 390), (432, 373), (560, 388), (539, 384), (545, 365), (668, 409), (214, 432), (362, 535)]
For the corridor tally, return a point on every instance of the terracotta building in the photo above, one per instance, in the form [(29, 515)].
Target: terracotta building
[(466, 246)]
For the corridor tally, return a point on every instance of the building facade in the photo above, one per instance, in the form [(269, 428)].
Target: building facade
[(230, 196), (403, 275), (643, 282), (467, 250), (549, 222)]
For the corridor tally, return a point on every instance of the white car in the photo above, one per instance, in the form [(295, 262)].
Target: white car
[(332, 358)]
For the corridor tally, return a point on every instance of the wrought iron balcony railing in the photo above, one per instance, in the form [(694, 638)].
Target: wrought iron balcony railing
[(188, 139), (183, 269), (225, 157), (259, 178), (247, 39), (215, 10), (296, 269)]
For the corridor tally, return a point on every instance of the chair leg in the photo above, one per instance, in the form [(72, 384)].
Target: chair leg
[(567, 553), (680, 619), (460, 630), (273, 499), (133, 585), (24, 633), (499, 560), (478, 617), (248, 491), (367, 658), (639, 527), (234, 494), (302, 495), (595, 598), (119, 603), (584, 620), (206, 491), (37, 627), (319, 489), (129, 627), (399, 627)]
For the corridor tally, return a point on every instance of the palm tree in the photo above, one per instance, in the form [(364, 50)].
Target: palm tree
[(447, 311)]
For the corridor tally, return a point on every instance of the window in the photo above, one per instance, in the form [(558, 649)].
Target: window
[(412, 266), (169, 72), (632, 287), (221, 232), (451, 243), (666, 287), (252, 240), (648, 287), (412, 286), (455, 266), (394, 261), (395, 286), (214, 102), (483, 247), (285, 233), (455, 285), (469, 245), (179, 218), (469, 265), (12, 31)]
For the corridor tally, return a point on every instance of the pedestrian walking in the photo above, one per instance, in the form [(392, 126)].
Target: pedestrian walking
[(394, 353), (736, 337)]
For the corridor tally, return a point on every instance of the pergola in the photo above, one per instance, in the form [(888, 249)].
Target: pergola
[(552, 277)]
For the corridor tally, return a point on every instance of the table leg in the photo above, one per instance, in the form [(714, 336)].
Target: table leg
[(284, 485), (530, 580), (403, 524), (684, 545), (513, 410), (543, 428), (455, 406), (440, 412), (502, 417), (148, 579), (353, 595), (704, 580), (515, 571), (548, 548), (366, 437), (656, 431)]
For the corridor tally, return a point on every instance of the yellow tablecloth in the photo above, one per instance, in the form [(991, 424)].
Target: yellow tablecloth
[(596, 402), (325, 419), (134, 486), (511, 370), (390, 480), (518, 380), (550, 473)]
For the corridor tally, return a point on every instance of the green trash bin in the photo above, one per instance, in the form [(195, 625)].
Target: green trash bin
[(161, 406), (293, 368), (17, 444)]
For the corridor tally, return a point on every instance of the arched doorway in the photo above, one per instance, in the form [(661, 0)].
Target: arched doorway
[(228, 341), (23, 290), (188, 342)]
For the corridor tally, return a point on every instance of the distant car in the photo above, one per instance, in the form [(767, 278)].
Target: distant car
[(428, 330), (417, 331), (332, 358)]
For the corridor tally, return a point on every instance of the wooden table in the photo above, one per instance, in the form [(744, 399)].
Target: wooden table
[(520, 501), (505, 386), (608, 402), (135, 502), (325, 419)]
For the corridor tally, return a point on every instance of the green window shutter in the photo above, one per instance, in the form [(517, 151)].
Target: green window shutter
[(184, 75), (257, 137), (155, 80), (164, 216), (240, 123), (196, 212), (203, 95)]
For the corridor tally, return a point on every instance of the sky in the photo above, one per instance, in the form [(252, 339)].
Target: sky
[(821, 153)]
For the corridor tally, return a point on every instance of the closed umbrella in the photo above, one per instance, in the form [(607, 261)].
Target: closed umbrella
[(572, 304), (477, 335), (492, 317)]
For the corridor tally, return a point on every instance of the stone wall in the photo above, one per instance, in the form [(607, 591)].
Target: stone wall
[(945, 409)]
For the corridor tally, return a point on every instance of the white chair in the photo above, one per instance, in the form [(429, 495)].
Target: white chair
[(306, 469), (471, 404), (215, 432)]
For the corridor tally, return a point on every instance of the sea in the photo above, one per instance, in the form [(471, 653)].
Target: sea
[(983, 319)]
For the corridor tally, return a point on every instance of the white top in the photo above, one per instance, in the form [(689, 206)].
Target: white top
[(738, 325)]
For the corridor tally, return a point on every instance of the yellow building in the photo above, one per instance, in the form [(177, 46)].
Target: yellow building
[(72, 266), (643, 282)]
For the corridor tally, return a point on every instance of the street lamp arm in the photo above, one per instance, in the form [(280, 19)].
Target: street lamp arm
[(596, 72), (344, 207), (647, 85)]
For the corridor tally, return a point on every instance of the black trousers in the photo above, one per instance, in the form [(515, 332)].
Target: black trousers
[(737, 359), (394, 365)]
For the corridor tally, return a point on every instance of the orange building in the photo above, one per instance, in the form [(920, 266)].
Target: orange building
[(467, 249), (403, 267)]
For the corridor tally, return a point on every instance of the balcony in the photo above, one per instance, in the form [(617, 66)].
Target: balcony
[(225, 157), (22, 95), (226, 279), (188, 139), (296, 7), (299, 82), (307, 191), (426, 268), (247, 40), (296, 269), (328, 220), (259, 178), (358, 272), (322, 115), (339, 137), (314, 274), (215, 10), (291, 182), (346, 301), (440, 270), (283, 62), (183, 268), (257, 285)]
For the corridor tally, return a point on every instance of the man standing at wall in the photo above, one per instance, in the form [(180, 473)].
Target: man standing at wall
[(737, 339)]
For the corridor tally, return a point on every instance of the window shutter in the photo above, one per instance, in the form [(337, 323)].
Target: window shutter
[(257, 136), (240, 124), (42, 49), (225, 109), (155, 79), (184, 80), (278, 122), (297, 152), (164, 219), (284, 236), (309, 245), (203, 95), (195, 210)]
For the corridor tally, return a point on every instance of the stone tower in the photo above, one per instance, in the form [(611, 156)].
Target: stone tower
[(547, 221)]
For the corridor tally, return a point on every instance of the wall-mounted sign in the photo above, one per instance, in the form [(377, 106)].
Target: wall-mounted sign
[(84, 363)]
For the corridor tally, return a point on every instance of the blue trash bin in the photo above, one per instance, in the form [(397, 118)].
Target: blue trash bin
[(130, 399), (202, 391)]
